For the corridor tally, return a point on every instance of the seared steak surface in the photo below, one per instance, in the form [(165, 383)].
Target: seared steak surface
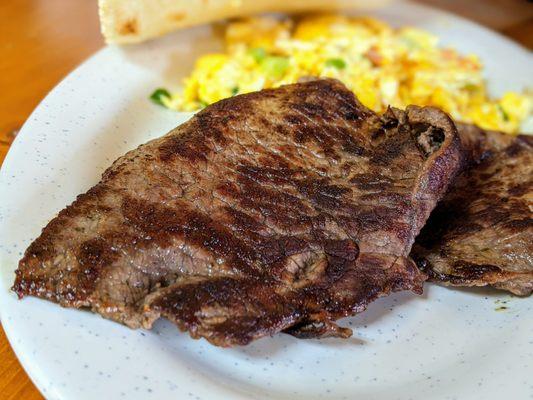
[(482, 232), (278, 210)]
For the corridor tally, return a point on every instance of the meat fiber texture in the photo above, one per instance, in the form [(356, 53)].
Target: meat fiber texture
[(280, 210), (482, 232)]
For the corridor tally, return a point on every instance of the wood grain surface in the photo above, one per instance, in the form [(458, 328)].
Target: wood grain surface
[(42, 40)]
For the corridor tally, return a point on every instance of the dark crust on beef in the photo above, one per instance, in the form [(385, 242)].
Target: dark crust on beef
[(279, 210), (482, 231)]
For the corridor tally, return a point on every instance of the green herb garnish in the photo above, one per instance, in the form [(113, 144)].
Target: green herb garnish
[(275, 66), (409, 42), (235, 90), (504, 113), (158, 95), (470, 86), (258, 54), (338, 63)]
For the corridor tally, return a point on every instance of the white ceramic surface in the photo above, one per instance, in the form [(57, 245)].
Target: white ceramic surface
[(446, 344)]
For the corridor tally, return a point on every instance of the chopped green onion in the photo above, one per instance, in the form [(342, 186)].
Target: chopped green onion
[(409, 42), (504, 113), (158, 95), (338, 63), (258, 54), (275, 66), (470, 86), (235, 90)]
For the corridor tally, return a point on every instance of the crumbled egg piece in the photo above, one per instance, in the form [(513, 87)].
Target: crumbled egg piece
[(381, 65)]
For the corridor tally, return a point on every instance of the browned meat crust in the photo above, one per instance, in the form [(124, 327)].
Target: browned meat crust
[(482, 232), (282, 209)]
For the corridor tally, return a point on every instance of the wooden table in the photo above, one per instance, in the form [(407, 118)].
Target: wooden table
[(41, 40)]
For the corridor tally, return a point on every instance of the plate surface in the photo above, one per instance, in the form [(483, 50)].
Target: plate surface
[(446, 344)]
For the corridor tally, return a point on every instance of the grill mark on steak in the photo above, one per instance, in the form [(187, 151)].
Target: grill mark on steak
[(482, 231), (159, 224), (262, 213)]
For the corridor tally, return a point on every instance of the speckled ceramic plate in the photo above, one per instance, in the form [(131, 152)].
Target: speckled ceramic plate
[(446, 344)]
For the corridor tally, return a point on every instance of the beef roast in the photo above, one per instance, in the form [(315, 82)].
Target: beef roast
[(482, 232), (284, 209)]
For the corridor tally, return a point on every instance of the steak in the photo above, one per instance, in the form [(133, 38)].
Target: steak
[(284, 209), (482, 232), (479, 144)]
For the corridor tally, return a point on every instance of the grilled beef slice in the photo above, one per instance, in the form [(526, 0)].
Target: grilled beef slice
[(482, 232), (284, 209)]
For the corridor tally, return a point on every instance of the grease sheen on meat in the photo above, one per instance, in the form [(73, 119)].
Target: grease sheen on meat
[(284, 209), (482, 232)]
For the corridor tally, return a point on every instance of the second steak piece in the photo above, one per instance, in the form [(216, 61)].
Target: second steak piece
[(482, 231), (278, 210)]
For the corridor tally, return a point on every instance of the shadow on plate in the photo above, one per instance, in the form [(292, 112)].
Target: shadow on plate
[(479, 291), (173, 56), (270, 346)]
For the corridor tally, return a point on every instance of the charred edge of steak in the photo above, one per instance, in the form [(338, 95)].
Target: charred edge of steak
[(486, 275), (430, 128), (318, 329), (428, 137), (464, 272)]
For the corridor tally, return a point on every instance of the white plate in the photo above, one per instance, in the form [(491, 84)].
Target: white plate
[(445, 344)]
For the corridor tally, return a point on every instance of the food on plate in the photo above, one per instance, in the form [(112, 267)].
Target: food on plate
[(479, 144), (381, 65), (482, 232), (133, 21), (283, 209)]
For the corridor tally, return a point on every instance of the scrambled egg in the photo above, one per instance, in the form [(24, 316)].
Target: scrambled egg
[(381, 65)]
